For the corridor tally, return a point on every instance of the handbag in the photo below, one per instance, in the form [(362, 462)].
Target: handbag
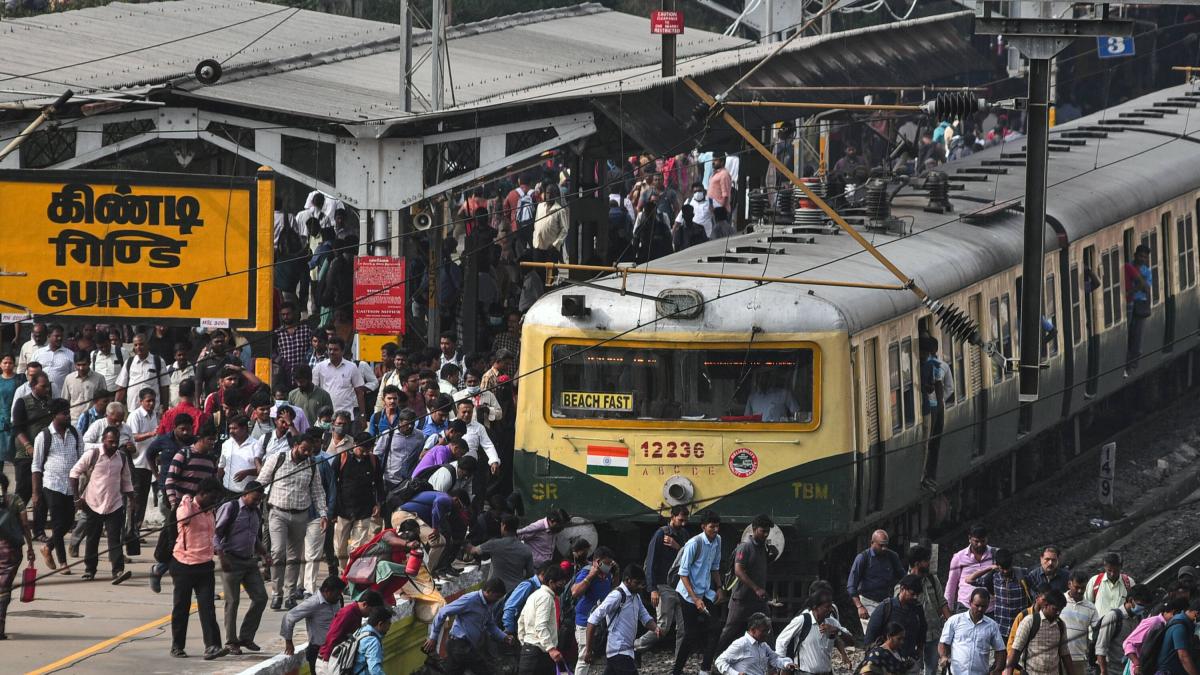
[(29, 583), (1141, 309), (362, 571)]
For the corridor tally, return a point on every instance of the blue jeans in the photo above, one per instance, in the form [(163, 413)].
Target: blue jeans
[(930, 659)]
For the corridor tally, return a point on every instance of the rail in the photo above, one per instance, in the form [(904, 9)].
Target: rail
[(1166, 574)]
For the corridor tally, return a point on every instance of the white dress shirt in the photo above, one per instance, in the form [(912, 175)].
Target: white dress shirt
[(624, 611), (140, 422), (340, 382), (747, 656), (477, 437), (237, 457), (537, 626), (147, 373), (816, 652), (57, 363)]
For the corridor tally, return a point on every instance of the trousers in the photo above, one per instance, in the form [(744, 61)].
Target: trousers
[(287, 545), (112, 525), (62, 516), (198, 580), (534, 661), (461, 656), (700, 633), (314, 554), (735, 620), (243, 573), (669, 615)]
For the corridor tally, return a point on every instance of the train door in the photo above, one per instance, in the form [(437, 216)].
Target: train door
[(1089, 321), (978, 388), (1168, 294), (871, 456)]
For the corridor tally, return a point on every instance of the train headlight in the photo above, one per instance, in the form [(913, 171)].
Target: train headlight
[(678, 490), (680, 303)]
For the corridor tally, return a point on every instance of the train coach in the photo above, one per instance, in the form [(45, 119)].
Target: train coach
[(804, 402)]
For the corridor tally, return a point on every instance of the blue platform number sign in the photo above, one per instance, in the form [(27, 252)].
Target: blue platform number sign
[(1114, 47)]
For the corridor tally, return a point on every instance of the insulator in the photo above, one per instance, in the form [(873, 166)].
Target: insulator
[(939, 192), (758, 204), (806, 213), (954, 104), (783, 203), (955, 322), (878, 204)]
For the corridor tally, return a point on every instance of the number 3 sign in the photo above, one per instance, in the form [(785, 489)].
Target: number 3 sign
[(1113, 47)]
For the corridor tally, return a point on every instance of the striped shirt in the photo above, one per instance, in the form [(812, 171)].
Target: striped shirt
[(186, 472)]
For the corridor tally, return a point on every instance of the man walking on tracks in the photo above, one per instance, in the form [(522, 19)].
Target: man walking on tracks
[(1040, 644), (664, 546), (749, 594), (873, 575), (699, 586)]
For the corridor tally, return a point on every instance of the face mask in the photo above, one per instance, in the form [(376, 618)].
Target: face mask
[(323, 425), (280, 401), (473, 390), (495, 320), (698, 196)]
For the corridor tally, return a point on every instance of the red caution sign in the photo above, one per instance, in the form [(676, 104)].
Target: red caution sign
[(379, 295), (666, 23)]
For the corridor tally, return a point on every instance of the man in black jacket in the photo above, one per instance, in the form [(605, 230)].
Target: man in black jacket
[(664, 546), (904, 609)]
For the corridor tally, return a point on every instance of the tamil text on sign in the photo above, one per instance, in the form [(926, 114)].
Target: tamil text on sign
[(167, 247)]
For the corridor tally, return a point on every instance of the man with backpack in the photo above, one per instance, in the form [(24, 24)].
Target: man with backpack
[(360, 491), (239, 547), (664, 546), (474, 622), (187, 468), (1174, 648), (1117, 625), (809, 639), (143, 369), (368, 659), (873, 574), (612, 625), (101, 481), (56, 450), (1040, 642), (1107, 590), (748, 594), (697, 573), (294, 487), (590, 586), (192, 569), (905, 609)]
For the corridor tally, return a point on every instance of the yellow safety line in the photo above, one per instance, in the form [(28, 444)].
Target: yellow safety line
[(100, 646)]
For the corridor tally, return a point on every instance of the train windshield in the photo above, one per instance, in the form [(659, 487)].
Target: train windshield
[(708, 384)]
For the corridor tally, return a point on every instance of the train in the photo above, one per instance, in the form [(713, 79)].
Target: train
[(804, 401)]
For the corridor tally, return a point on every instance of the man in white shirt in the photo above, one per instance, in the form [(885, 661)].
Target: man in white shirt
[(971, 643), (57, 361), (448, 344), (107, 360), (143, 369), (487, 406), (702, 207), (34, 343), (537, 626), (241, 456), (750, 654), (143, 422), (1078, 617), (809, 639), (80, 387), (477, 439), (282, 439), (771, 400), (622, 610), (342, 380)]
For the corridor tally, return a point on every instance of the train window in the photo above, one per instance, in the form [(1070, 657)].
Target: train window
[(710, 383), (894, 394), (1150, 241), (994, 315), (1110, 285), (1076, 310), (1185, 239), (1050, 311), (1006, 338), (906, 381), (952, 352)]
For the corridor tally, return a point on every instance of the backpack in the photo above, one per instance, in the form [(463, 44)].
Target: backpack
[(267, 438), (1099, 579), (48, 442), (312, 470), (158, 369), (86, 476), (237, 509), (526, 209), (345, 653), (1023, 652), (290, 244), (413, 486), (600, 633), (673, 570), (798, 638), (1151, 646)]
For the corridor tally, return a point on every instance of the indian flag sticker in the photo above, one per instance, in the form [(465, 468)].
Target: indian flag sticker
[(607, 460)]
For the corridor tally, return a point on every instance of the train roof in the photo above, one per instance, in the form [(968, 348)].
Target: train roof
[(1103, 168)]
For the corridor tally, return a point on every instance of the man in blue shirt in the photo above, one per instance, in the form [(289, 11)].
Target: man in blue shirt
[(622, 610), (873, 575), (590, 586), (1175, 657), (516, 600), (474, 621), (369, 660), (700, 589)]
